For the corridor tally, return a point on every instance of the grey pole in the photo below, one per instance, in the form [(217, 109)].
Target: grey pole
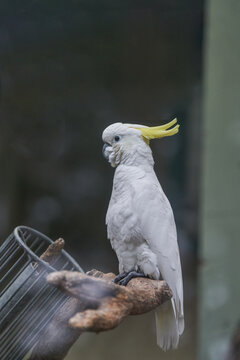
[(219, 273)]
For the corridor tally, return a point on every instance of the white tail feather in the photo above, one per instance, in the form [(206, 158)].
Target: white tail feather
[(167, 326), (180, 325)]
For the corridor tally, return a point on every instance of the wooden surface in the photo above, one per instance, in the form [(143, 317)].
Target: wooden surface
[(95, 304)]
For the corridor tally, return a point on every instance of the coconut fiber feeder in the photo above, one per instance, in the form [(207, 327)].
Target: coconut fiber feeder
[(27, 301)]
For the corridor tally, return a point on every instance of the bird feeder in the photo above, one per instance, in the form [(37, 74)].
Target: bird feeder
[(27, 302)]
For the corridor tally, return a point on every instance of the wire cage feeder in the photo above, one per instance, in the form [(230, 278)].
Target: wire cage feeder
[(27, 301)]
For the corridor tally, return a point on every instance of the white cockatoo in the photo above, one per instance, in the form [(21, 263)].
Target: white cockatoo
[(140, 221)]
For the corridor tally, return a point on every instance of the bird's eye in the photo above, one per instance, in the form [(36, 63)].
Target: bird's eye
[(117, 138)]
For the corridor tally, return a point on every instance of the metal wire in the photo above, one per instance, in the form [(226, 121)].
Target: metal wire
[(27, 302)]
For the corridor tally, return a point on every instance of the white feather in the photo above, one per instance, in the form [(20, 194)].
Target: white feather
[(166, 326), (159, 230), (142, 229)]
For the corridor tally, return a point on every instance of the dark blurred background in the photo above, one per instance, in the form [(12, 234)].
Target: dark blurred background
[(68, 69)]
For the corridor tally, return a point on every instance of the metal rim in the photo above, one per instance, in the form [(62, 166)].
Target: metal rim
[(47, 239)]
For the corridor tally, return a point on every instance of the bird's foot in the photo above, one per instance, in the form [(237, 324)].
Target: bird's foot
[(120, 277), (124, 278)]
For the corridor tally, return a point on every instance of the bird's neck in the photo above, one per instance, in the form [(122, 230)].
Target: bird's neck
[(140, 157)]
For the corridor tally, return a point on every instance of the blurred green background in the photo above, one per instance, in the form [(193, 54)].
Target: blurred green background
[(70, 68)]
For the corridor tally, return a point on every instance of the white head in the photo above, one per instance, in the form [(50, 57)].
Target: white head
[(129, 143)]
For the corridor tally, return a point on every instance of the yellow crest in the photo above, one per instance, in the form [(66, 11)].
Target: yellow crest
[(157, 132)]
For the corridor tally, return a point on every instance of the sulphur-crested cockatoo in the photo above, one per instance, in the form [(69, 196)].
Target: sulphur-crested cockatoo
[(140, 221)]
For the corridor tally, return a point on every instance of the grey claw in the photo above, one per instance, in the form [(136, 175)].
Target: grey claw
[(132, 274), (120, 277)]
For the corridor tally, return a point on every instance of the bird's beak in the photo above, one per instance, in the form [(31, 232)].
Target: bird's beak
[(105, 152)]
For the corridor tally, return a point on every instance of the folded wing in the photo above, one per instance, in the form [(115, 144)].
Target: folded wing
[(157, 225)]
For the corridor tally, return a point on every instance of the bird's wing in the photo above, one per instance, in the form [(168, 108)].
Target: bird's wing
[(157, 225)]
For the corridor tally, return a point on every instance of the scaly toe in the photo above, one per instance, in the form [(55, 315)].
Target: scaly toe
[(132, 274), (120, 277)]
